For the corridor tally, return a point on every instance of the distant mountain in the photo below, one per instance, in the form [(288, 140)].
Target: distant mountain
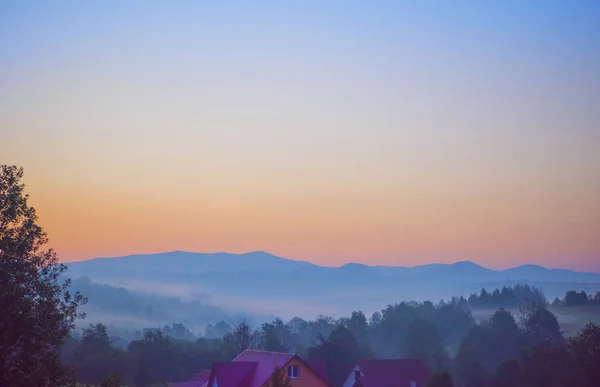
[(258, 261), (184, 261), (279, 282)]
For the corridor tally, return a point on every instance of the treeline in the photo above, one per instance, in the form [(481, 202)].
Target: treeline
[(526, 350), (510, 297), (141, 309), (507, 297), (153, 360), (157, 357), (573, 298), (121, 300), (507, 349)]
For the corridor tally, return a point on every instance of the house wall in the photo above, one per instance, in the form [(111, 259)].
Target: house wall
[(306, 376)]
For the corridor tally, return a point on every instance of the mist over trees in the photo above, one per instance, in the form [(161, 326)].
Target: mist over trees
[(500, 349), (126, 312), (506, 349)]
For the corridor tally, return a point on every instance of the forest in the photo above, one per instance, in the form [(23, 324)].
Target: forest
[(506, 349)]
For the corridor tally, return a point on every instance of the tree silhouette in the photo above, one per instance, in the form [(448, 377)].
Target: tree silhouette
[(573, 298), (38, 308), (338, 352), (270, 338), (508, 373), (424, 343), (110, 381), (540, 324), (242, 334), (141, 377), (358, 325), (441, 379), (585, 348)]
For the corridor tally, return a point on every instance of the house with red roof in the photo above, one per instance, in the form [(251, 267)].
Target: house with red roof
[(253, 368), (388, 373)]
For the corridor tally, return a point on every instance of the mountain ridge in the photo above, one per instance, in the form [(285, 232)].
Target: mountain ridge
[(268, 281), (264, 254)]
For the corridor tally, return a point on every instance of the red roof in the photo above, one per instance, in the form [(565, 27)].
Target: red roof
[(238, 374), (266, 362), (253, 368), (197, 381), (393, 372)]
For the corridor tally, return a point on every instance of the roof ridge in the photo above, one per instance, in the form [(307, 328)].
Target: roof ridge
[(261, 351), (237, 362), (381, 360)]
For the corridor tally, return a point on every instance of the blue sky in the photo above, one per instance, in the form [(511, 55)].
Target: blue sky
[(386, 132)]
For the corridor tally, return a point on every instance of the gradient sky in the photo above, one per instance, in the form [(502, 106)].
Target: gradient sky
[(384, 132)]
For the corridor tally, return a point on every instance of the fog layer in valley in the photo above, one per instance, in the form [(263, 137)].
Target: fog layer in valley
[(143, 291)]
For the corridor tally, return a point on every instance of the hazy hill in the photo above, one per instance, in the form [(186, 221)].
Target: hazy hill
[(137, 310), (270, 284)]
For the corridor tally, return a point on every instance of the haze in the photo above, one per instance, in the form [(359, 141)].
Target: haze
[(398, 133)]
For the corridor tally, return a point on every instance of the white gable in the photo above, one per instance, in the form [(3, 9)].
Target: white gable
[(350, 379)]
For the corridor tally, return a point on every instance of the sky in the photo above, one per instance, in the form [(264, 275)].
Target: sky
[(383, 132)]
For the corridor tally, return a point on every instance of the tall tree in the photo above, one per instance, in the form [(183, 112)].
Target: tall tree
[(339, 352), (470, 363), (506, 339), (270, 339), (540, 324), (95, 339), (242, 334), (423, 342), (585, 348), (358, 325), (38, 308), (283, 333), (547, 366), (159, 357), (95, 357)]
